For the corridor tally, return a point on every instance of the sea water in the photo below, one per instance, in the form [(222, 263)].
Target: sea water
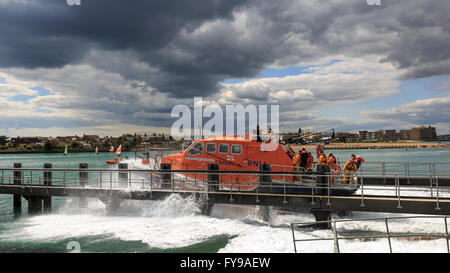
[(176, 224)]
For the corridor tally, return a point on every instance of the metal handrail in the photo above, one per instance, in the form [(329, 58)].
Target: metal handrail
[(393, 173), (71, 178), (388, 235)]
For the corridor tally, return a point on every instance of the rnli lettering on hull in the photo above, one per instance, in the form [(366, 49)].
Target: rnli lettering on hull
[(255, 163)]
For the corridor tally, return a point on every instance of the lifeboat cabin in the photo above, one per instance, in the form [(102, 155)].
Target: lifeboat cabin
[(233, 154)]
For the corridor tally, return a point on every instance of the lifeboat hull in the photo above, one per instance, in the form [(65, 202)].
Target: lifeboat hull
[(114, 161), (231, 154)]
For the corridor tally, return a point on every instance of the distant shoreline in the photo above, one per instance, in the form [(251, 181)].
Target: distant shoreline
[(331, 146), (61, 151), (379, 145)]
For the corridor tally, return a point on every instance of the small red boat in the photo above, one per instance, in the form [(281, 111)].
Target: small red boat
[(114, 161), (118, 158)]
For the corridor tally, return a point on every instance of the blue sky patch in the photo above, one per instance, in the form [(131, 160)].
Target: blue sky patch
[(22, 98), (25, 98), (41, 91), (283, 72)]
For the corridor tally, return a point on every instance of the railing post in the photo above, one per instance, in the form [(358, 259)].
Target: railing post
[(83, 175), (336, 239), (446, 233), (231, 188), (362, 191), (323, 171), (48, 182), (123, 175), (407, 172), (388, 234), (293, 237), (397, 184), (263, 178), (329, 190), (166, 175), (17, 199), (437, 193), (83, 203), (151, 184), (172, 183), (213, 178)]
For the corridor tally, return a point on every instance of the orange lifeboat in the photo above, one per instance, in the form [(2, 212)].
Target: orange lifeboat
[(114, 161), (233, 154)]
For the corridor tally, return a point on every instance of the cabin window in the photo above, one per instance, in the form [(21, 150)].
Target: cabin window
[(236, 149), (223, 148), (211, 147), (196, 149)]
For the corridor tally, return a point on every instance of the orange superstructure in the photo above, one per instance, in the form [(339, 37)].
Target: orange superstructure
[(233, 153)]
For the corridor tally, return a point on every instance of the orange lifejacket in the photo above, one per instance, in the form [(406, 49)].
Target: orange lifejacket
[(296, 160), (322, 160), (332, 162), (350, 166)]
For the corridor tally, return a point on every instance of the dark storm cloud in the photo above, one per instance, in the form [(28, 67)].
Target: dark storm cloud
[(50, 33), (110, 24), (185, 56)]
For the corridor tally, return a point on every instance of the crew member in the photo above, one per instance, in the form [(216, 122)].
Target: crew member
[(310, 162), (296, 162), (322, 159), (303, 159), (331, 161), (349, 168)]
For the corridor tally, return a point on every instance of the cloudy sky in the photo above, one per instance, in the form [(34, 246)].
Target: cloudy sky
[(113, 66)]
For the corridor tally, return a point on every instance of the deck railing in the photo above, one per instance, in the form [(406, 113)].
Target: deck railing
[(388, 234), (312, 183)]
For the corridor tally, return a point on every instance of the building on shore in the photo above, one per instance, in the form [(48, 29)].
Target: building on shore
[(405, 134), (67, 139), (90, 138), (423, 133), (25, 140), (363, 135), (391, 135)]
